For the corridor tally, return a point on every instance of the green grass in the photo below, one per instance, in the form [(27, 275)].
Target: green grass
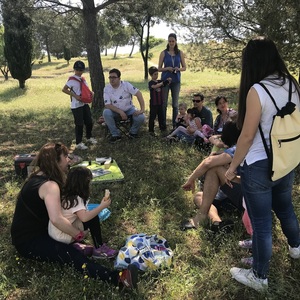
[(150, 199)]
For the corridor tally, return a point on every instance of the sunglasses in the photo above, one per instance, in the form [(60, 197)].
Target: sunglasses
[(113, 77), (197, 101)]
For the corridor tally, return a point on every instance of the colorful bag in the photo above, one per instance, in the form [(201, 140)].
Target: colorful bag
[(284, 138), (86, 94), (147, 252)]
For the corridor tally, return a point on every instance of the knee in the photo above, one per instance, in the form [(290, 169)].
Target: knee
[(107, 113)]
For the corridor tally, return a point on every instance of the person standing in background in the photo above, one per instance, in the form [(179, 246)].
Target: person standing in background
[(171, 64), (81, 111)]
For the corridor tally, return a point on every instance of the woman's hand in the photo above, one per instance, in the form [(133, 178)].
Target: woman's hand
[(230, 175)]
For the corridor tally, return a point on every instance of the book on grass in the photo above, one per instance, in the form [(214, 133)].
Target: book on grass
[(99, 172)]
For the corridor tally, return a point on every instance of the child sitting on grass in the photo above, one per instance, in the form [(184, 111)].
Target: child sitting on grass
[(193, 129), (74, 199), (182, 115)]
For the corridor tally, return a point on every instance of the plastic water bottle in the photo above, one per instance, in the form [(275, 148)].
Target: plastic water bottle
[(104, 214)]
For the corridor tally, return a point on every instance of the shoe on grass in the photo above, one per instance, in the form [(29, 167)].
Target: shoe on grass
[(247, 277), (187, 225), (246, 244), (86, 250), (104, 252), (114, 139), (294, 252), (128, 278), (247, 261), (81, 146), (91, 141)]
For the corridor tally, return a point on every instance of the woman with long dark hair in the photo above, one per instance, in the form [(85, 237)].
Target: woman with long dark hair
[(38, 202), (261, 63), (171, 64)]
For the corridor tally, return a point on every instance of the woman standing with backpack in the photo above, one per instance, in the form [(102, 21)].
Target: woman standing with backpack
[(261, 62)]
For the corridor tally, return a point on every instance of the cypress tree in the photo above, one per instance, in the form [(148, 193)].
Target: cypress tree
[(18, 39), (67, 54)]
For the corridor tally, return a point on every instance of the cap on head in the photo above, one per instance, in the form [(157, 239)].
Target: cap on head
[(79, 65), (152, 70)]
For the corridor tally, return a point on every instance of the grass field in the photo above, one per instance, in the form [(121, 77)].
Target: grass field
[(150, 200)]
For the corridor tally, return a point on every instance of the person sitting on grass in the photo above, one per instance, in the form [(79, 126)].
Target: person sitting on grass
[(117, 97), (182, 115), (37, 203), (74, 200), (193, 129), (214, 169)]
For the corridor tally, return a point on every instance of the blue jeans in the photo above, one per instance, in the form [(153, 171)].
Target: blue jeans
[(137, 121), (261, 196), (175, 89)]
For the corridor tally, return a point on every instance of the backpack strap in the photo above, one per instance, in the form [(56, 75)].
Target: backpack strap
[(79, 80), (273, 100)]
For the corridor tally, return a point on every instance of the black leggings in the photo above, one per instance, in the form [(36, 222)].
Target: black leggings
[(45, 249), (94, 226)]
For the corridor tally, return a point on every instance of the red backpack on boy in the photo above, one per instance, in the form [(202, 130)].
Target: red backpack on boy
[(86, 94)]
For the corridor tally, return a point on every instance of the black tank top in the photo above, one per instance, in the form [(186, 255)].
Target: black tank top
[(31, 217)]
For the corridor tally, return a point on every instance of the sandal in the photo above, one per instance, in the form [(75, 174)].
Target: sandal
[(187, 225)]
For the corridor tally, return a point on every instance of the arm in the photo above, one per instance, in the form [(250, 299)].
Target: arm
[(87, 215), (216, 140), (250, 127), (157, 85), (69, 92), (182, 59), (141, 102), (50, 193), (208, 163), (160, 63)]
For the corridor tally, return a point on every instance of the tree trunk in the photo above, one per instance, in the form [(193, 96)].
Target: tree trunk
[(48, 50), (132, 48), (93, 54), (21, 83), (147, 50), (115, 53)]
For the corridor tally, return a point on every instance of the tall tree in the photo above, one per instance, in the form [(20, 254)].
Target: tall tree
[(18, 38), (3, 62), (89, 12), (143, 16), (230, 23)]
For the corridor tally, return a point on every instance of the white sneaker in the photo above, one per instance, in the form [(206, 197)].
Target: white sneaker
[(92, 141), (294, 252), (247, 277), (81, 146)]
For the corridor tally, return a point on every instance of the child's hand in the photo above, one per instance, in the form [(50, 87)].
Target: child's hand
[(105, 202)]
